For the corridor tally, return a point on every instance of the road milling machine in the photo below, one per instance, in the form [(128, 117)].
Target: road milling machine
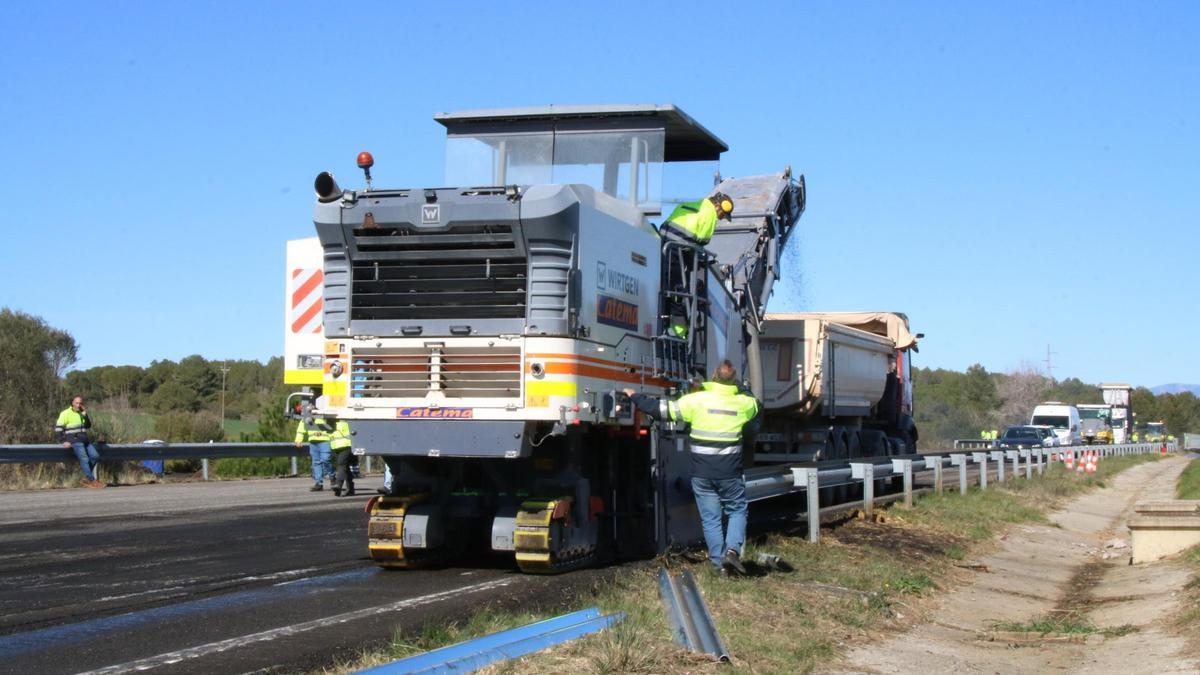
[(478, 337)]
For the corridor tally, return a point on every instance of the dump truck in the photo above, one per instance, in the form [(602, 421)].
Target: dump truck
[(479, 338)]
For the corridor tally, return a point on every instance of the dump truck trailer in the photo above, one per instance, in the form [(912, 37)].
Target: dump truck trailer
[(479, 337)]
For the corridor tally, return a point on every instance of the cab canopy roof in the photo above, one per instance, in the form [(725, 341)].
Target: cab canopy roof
[(686, 139)]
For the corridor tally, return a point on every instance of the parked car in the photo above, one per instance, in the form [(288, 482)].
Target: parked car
[(1023, 436), (1050, 439)]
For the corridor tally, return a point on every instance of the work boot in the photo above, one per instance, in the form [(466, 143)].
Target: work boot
[(99, 484), (337, 491), (316, 488), (350, 491), (85, 482), (383, 491), (732, 563)]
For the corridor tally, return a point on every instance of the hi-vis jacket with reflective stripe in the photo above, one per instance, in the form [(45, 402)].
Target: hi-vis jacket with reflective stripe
[(340, 437), (697, 219), (312, 430), (72, 426), (718, 416)]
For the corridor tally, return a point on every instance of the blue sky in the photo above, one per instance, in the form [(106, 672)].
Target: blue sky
[(1011, 176)]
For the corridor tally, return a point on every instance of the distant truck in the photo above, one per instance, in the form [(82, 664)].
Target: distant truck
[(1063, 417), (1095, 423), (1119, 396)]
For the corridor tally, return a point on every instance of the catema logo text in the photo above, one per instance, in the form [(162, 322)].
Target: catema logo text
[(436, 413), (617, 313)]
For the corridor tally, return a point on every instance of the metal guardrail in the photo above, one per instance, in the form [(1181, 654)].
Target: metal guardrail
[(766, 483), (137, 452), (124, 452), (691, 623), (469, 656)]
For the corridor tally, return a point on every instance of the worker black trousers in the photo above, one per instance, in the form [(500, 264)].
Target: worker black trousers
[(345, 459)]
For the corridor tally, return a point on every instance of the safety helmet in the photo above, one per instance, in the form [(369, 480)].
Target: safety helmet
[(723, 203)]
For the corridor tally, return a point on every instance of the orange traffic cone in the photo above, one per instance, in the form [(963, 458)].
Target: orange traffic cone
[(1091, 463), (1081, 465), (1070, 459)]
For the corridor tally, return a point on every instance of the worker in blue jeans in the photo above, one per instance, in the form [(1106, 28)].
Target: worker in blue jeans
[(71, 428), (718, 415), (316, 432)]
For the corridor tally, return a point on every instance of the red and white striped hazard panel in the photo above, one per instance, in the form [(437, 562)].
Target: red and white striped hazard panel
[(306, 300)]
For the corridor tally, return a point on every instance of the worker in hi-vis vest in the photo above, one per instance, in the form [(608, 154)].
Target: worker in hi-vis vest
[(344, 458), (697, 221), (71, 428), (719, 416), (315, 431)]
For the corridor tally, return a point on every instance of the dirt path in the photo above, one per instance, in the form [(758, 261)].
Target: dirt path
[(1063, 567)]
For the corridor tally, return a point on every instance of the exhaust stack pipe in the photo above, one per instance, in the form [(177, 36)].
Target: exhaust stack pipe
[(327, 188)]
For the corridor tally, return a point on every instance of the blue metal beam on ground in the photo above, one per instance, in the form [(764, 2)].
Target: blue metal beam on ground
[(471, 655)]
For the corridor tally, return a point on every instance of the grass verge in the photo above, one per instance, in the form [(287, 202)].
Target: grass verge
[(1188, 486), (861, 581)]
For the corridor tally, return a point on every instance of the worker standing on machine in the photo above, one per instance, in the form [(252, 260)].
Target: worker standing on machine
[(692, 223), (719, 415), (315, 431), (695, 222), (344, 458)]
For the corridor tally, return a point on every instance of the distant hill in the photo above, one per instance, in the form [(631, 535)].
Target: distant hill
[(1175, 388)]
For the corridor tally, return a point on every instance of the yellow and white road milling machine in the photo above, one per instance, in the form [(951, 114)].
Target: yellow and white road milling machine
[(478, 337)]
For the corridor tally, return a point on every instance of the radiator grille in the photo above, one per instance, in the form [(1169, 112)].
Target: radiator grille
[(457, 372), (461, 272)]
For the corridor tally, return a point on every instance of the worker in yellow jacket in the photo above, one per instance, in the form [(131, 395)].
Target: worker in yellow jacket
[(343, 459)]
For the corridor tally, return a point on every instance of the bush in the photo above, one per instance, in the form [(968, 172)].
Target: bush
[(184, 427)]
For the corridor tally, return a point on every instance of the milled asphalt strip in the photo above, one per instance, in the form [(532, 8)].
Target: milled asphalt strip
[(233, 643)]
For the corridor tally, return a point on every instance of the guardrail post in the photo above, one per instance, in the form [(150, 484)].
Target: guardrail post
[(961, 462), (1013, 456), (905, 466), (997, 456), (1028, 457), (865, 471), (936, 463), (981, 458), (295, 471), (204, 467), (367, 470), (806, 477)]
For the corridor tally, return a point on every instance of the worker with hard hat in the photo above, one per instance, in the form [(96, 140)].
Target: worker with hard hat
[(697, 221)]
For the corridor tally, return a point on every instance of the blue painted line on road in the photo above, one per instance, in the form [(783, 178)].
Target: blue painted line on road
[(58, 636)]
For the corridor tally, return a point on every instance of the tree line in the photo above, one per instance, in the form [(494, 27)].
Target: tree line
[(949, 404), (186, 397), (36, 382)]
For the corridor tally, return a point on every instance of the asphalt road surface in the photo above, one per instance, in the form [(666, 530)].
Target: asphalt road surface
[(216, 577)]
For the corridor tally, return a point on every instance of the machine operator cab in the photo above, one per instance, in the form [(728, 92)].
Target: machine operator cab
[(648, 155)]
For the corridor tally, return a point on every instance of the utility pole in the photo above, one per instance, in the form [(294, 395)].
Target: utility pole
[(224, 370), (1049, 368)]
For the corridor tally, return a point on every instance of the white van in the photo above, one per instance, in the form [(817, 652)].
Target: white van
[(1063, 417)]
